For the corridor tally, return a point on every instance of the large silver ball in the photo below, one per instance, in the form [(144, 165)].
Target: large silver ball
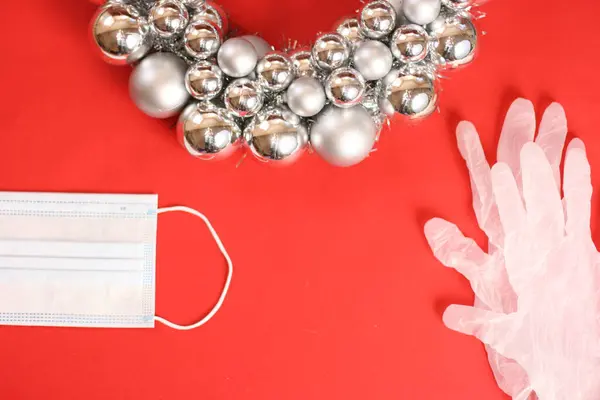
[(303, 64), (458, 4), (397, 4), (276, 134), (372, 59), (243, 98), (343, 136), (345, 87), (204, 80), (211, 11), (377, 19), (168, 18), (409, 93), (422, 12), (121, 34), (202, 38), (350, 30), (207, 131), (237, 57), (306, 96), (331, 51), (275, 71), (157, 85), (261, 46), (454, 40), (410, 44)]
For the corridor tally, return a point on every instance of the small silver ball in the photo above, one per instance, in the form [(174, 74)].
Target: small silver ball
[(211, 11), (207, 131), (377, 19), (373, 59), (345, 87), (422, 12), (276, 134), (350, 30), (409, 93), (454, 40), (303, 64), (157, 86), (275, 71), (202, 38), (237, 57), (168, 18), (122, 35), (204, 80), (243, 98), (458, 4), (410, 43), (261, 46), (331, 51), (343, 136), (306, 96)]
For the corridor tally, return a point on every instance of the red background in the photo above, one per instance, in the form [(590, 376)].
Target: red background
[(335, 293)]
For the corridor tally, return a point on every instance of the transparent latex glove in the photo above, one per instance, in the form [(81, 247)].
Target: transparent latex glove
[(552, 266)]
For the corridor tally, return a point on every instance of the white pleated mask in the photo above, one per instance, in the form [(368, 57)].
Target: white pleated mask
[(83, 260)]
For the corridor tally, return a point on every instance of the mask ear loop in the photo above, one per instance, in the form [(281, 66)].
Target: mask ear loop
[(219, 303)]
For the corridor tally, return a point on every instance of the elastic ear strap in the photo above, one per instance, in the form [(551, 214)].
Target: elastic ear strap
[(229, 272)]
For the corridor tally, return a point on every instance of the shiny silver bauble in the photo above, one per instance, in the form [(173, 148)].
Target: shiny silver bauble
[(350, 30), (302, 63), (168, 18), (237, 57), (207, 131), (202, 38), (157, 85), (459, 4), (343, 136), (345, 87), (454, 40), (409, 93), (377, 19), (243, 97), (204, 80), (276, 134), (212, 11), (122, 35), (275, 71), (410, 44), (306, 96), (331, 51), (421, 12), (372, 59)]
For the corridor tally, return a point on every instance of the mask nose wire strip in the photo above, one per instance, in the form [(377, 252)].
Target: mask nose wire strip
[(219, 302)]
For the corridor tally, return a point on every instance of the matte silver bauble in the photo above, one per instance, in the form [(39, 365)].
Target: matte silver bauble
[(157, 85), (237, 57), (410, 44), (372, 59), (345, 87), (202, 38), (454, 40), (458, 4), (409, 93), (331, 51), (243, 97), (207, 131), (303, 64), (168, 18), (377, 19), (204, 80), (421, 12), (306, 96), (350, 30), (276, 134), (122, 35), (343, 136), (261, 46), (397, 4), (275, 71)]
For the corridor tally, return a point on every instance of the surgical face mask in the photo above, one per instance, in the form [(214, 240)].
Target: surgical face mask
[(83, 260)]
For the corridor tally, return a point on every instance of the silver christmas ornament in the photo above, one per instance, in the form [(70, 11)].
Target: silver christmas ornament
[(458, 4), (122, 35), (204, 80), (237, 57), (302, 63), (377, 19), (168, 18), (372, 59), (343, 136), (211, 11), (157, 86), (454, 40), (410, 93), (275, 71), (276, 134), (306, 96), (331, 51), (261, 46), (421, 12), (243, 97), (202, 38), (207, 131), (350, 30), (397, 4), (345, 87), (410, 43)]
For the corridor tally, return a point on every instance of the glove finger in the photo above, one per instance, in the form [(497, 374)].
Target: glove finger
[(510, 206), (518, 129), (551, 137), (577, 189)]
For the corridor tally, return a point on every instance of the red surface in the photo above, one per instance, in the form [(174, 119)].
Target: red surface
[(335, 293)]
